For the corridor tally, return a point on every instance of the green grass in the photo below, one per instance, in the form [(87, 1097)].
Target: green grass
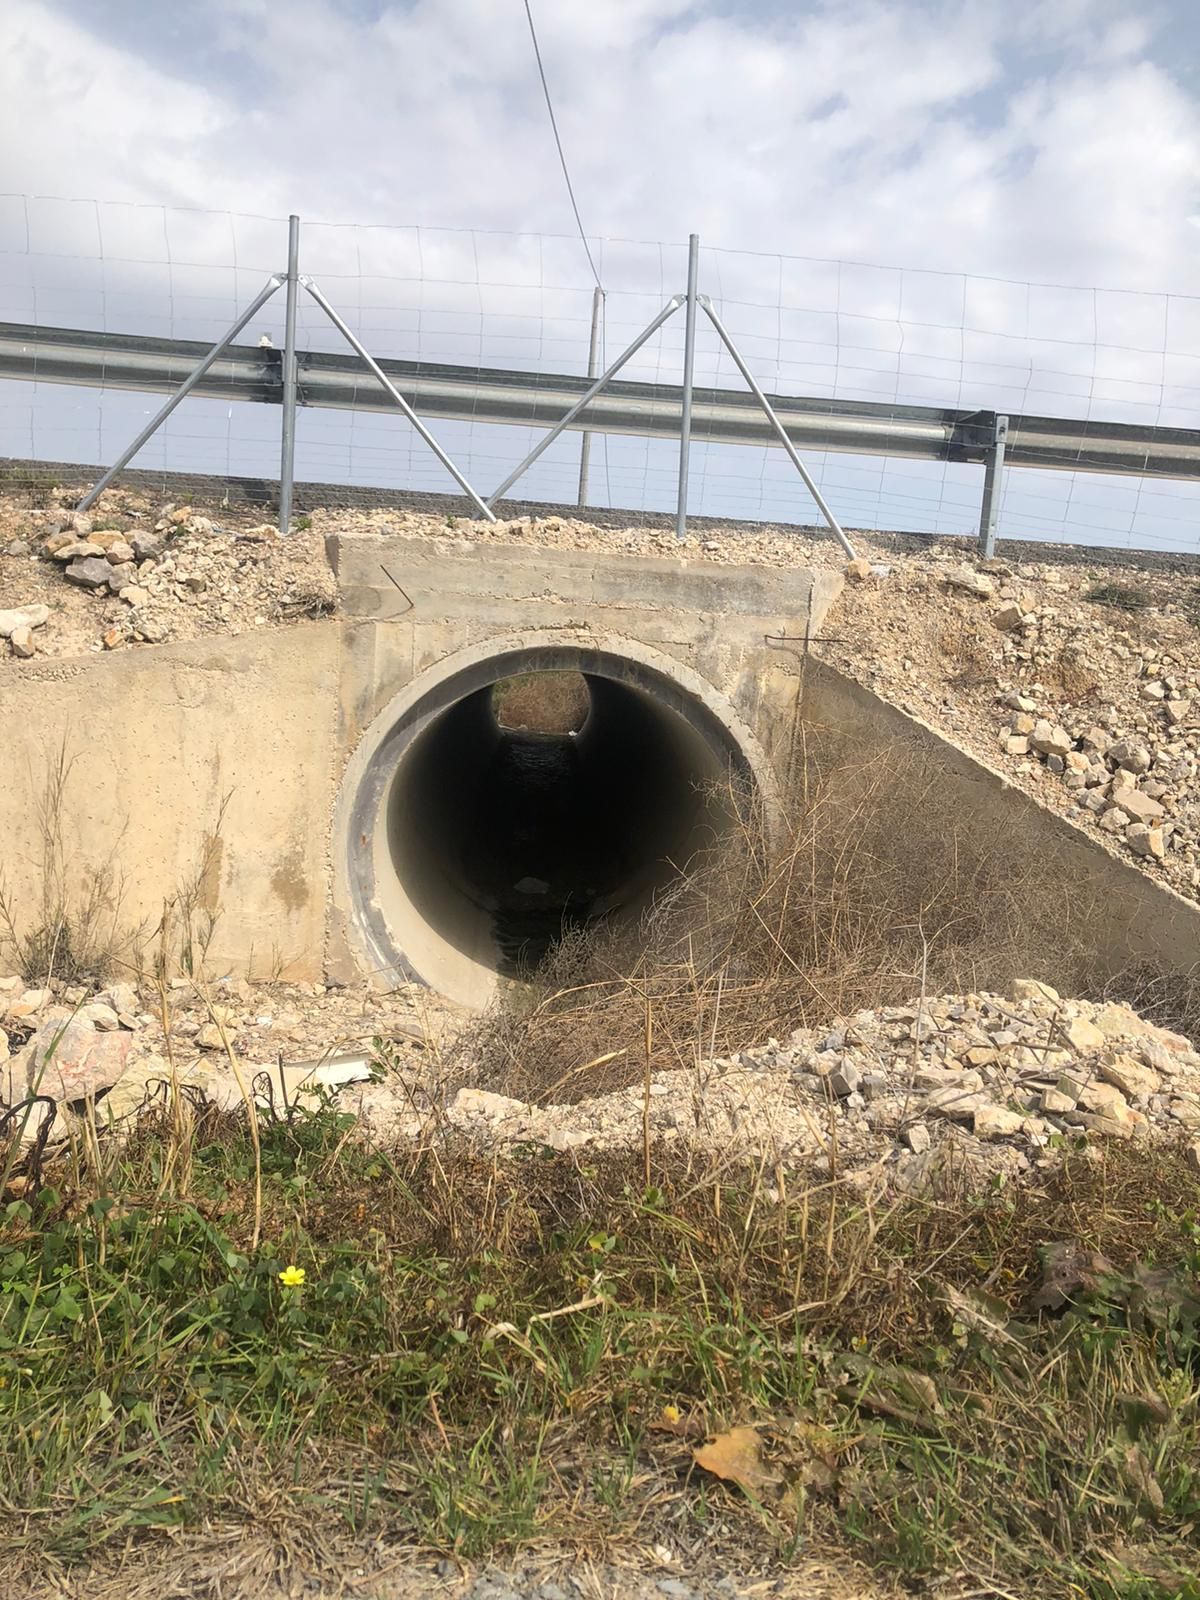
[(155, 1373)]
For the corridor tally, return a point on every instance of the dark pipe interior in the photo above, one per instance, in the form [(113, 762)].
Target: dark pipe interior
[(502, 838)]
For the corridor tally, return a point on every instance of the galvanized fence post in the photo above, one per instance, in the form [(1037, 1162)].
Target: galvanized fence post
[(993, 479), (689, 364), (585, 447), (287, 458)]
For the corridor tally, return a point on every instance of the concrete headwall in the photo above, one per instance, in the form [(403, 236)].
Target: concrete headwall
[(429, 621), (412, 603)]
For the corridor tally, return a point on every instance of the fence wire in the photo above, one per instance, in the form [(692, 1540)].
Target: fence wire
[(825, 330)]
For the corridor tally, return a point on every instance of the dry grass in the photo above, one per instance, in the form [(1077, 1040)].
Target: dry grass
[(542, 702), (1078, 680), (969, 652), (190, 916), (306, 599), (78, 931), (1120, 596), (880, 889)]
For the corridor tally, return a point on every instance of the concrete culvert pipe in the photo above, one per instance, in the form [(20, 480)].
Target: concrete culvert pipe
[(465, 847)]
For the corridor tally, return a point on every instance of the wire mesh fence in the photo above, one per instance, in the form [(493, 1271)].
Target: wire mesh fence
[(831, 331)]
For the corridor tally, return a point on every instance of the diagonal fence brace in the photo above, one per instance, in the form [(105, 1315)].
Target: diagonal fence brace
[(184, 389), (378, 373), (547, 439), (835, 526)]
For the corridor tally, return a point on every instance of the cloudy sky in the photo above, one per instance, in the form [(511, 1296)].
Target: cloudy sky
[(1055, 142)]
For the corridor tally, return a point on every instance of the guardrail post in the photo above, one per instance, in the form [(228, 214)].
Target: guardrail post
[(689, 363), (585, 447), (287, 457), (993, 478)]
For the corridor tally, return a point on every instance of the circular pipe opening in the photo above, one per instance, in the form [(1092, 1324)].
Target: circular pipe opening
[(542, 702), (473, 845)]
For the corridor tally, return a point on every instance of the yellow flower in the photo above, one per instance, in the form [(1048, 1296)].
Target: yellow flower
[(671, 1413), (292, 1277)]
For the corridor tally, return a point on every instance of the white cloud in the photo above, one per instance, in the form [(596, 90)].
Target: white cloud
[(78, 116), (855, 130), (794, 133)]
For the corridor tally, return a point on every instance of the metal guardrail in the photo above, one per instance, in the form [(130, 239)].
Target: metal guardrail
[(494, 395), (491, 394), (480, 394)]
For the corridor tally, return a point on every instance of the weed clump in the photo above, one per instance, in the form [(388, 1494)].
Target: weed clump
[(543, 702), (307, 600), (75, 932), (1122, 596), (874, 889)]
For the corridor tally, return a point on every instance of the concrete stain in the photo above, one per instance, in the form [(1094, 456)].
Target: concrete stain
[(290, 881)]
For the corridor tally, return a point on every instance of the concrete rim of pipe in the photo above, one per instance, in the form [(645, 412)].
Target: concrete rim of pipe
[(417, 861)]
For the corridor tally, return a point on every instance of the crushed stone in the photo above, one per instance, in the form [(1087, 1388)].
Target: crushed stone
[(997, 1084)]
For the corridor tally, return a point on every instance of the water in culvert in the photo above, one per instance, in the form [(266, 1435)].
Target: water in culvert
[(535, 810)]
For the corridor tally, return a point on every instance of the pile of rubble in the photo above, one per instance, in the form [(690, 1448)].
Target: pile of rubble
[(127, 574), (130, 572), (738, 544), (1081, 682), (998, 1084), (1001, 1081), (275, 1040)]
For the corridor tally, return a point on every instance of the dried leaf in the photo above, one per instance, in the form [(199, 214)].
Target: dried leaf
[(1143, 1411), (1131, 1562), (1069, 1269), (1162, 1297), (1151, 1297), (893, 1391), (736, 1456), (1137, 1474), (812, 1456), (817, 1475), (979, 1313)]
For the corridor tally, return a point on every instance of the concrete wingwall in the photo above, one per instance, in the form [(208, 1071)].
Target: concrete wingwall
[(1124, 918), (208, 763)]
